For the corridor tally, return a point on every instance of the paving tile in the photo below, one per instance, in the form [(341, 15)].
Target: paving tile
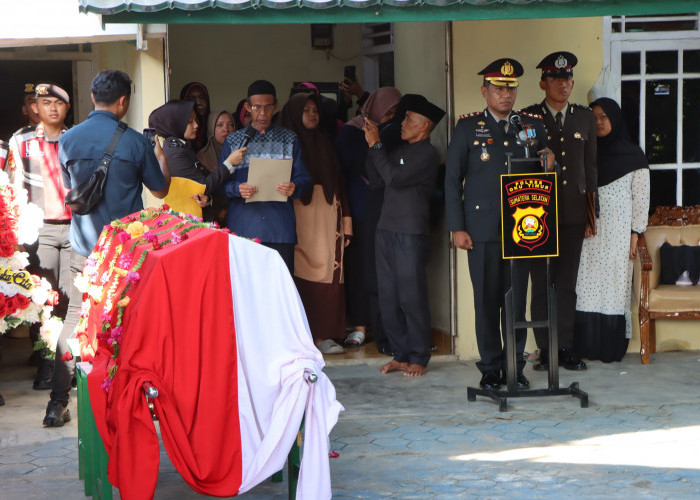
[(11, 470)]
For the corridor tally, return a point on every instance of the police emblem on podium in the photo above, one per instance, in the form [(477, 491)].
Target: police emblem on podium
[(529, 215)]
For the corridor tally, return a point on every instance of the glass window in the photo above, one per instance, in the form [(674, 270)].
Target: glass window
[(661, 121), (663, 188), (691, 187), (630, 63), (691, 61), (630, 108), (662, 61), (691, 120)]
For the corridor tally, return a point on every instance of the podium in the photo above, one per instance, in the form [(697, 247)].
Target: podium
[(526, 233)]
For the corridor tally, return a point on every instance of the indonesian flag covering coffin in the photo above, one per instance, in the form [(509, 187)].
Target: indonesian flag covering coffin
[(214, 322)]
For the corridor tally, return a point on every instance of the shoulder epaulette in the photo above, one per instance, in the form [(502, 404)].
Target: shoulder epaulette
[(530, 115), (581, 106), (25, 130), (471, 115)]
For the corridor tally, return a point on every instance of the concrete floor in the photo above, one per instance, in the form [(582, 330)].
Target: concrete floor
[(419, 437)]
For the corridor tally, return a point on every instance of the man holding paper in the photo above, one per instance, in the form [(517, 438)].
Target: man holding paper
[(269, 173)]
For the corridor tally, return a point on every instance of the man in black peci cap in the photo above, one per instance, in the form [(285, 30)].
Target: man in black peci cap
[(402, 238), (476, 158), (572, 136)]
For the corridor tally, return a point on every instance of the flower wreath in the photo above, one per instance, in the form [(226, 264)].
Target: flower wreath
[(24, 298), (111, 274)]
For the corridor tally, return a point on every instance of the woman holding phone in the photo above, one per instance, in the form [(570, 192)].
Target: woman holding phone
[(176, 122)]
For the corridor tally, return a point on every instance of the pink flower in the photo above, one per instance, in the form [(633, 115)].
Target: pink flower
[(160, 223), (116, 335), (132, 277), (125, 261), (123, 236), (106, 384), (176, 238), (106, 316), (256, 240), (105, 277)]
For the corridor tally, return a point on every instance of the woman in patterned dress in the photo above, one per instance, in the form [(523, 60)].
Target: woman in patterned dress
[(604, 286)]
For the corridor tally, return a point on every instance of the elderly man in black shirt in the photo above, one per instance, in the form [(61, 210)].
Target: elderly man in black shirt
[(402, 239)]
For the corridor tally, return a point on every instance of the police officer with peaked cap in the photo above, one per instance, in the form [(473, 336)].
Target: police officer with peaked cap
[(572, 137), (476, 158)]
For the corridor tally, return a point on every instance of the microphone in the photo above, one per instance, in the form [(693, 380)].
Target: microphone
[(518, 124), (249, 134)]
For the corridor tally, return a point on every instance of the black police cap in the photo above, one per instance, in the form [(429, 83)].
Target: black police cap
[(503, 72), (558, 64)]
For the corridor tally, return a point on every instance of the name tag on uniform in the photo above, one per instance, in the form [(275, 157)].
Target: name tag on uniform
[(32, 149)]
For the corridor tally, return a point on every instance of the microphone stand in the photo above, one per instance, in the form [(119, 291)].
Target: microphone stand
[(553, 389)]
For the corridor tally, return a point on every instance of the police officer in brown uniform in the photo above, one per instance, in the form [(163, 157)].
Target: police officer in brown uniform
[(572, 137)]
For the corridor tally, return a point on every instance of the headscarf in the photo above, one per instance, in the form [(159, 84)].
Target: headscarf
[(316, 149), (170, 119), (209, 154), (618, 155), (202, 134), (377, 105)]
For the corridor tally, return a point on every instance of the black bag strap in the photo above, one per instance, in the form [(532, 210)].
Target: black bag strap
[(109, 152)]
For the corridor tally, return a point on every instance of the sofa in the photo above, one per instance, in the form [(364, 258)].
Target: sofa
[(677, 226)]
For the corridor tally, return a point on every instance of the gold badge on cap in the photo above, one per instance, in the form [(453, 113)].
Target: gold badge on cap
[(577, 135), (28, 88), (481, 123), (42, 90), (507, 69)]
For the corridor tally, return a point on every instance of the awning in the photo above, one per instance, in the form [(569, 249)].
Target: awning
[(364, 11)]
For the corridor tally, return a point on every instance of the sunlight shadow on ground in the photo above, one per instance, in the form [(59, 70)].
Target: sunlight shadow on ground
[(674, 448)]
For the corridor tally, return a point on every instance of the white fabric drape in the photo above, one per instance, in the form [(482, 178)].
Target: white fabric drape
[(276, 354)]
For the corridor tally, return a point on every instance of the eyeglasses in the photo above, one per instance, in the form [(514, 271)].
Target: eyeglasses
[(259, 107)]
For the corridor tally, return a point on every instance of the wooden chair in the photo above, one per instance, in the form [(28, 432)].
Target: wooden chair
[(677, 226)]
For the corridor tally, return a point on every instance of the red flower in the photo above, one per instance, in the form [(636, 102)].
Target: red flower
[(67, 356), (166, 206), (6, 249), (53, 298), (21, 301)]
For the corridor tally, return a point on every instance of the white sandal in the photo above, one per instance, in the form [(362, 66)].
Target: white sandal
[(355, 338), (329, 346)]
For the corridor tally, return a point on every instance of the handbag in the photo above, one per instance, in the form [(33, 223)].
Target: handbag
[(86, 195)]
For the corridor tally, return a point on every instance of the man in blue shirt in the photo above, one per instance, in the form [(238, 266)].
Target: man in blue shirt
[(272, 222), (133, 164)]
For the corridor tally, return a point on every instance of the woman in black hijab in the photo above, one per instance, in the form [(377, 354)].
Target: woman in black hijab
[(324, 226), (176, 122), (197, 93), (604, 286)]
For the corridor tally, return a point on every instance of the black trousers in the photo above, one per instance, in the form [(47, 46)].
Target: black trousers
[(491, 277), (286, 251), (564, 270), (402, 286), (63, 370)]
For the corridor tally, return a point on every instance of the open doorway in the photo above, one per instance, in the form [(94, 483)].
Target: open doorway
[(16, 75)]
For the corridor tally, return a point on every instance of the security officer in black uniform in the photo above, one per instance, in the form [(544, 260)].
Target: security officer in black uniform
[(572, 137), (476, 158)]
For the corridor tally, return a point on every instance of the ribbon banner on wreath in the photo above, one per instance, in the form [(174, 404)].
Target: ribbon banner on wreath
[(529, 215)]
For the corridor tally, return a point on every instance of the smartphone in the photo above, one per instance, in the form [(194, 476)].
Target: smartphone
[(349, 73), (150, 134)]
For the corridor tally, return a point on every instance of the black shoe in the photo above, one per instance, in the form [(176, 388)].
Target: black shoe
[(570, 360), (542, 364), (57, 414), (490, 380), (520, 379), (385, 349), (2, 400), (35, 358), (44, 373)]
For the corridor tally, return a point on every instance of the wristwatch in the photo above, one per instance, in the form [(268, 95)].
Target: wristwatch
[(377, 145)]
